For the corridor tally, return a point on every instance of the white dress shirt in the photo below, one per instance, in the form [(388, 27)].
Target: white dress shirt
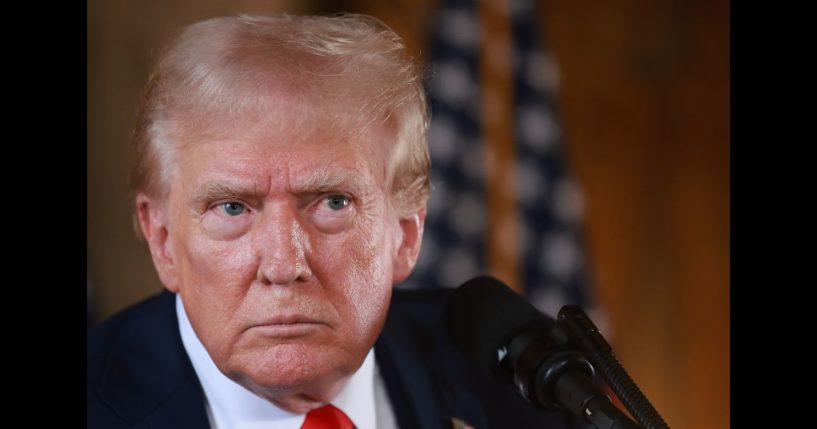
[(231, 406)]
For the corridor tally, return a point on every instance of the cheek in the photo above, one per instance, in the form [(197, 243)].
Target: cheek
[(367, 285), (213, 281), (369, 307), (211, 266)]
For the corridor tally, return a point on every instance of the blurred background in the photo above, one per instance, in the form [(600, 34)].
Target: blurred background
[(583, 145)]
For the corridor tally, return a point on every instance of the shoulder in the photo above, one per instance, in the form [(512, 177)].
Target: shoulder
[(420, 303), (137, 369), (415, 320), (134, 322)]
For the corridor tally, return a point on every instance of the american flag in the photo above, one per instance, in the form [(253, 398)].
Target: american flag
[(548, 204)]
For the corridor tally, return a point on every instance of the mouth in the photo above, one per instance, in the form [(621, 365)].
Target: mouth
[(289, 326)]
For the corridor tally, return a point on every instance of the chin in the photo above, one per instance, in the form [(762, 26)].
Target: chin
[(287, 369)]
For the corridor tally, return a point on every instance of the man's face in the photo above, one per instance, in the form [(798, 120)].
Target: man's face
[(283, 245)]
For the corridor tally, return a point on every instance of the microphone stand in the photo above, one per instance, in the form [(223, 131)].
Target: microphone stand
[(583, 334), (554, 373), (562, 380)]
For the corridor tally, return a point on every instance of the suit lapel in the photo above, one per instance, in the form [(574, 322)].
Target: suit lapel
[(424, 388), (409, 385)]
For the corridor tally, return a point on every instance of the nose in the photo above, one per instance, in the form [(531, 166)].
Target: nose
[(282, 245)]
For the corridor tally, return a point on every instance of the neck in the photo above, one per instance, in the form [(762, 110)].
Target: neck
[(300, 401)]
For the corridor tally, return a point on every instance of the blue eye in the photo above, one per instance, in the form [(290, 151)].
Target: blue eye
[(233, 209), (336, 202)]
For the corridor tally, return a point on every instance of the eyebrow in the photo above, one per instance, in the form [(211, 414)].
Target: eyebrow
[(318, 182), (325, 181), (217, 191)]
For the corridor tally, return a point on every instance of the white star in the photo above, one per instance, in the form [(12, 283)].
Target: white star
[(459, 28), (467, 215), (548, 299), (537, 128), (542, 72), (568, 202), (453, 84), (560, 256), (457, 266), (531, 183), (442, 139)]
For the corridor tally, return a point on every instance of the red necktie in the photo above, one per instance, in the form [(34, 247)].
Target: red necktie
[(327, 417)]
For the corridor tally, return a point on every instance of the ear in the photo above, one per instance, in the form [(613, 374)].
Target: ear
[(153, 221), (409, 247)]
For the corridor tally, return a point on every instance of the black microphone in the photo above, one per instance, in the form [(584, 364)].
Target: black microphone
[(506, 336)]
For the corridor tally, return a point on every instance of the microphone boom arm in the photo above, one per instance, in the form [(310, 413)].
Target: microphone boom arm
[(584, 335)]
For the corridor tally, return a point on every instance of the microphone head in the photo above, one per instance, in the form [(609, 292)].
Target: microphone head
[(483, 315)]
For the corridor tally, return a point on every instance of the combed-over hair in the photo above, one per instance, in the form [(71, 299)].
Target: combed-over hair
[(235, 69)]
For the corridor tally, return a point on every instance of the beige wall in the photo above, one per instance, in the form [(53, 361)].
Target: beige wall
[(644, 97)]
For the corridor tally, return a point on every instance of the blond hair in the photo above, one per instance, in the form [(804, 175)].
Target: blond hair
[(234, 67)]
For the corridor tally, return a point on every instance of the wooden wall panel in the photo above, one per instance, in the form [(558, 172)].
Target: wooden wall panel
[(646, 109)]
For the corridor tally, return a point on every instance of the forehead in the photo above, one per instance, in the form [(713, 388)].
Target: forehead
[(301, 144)]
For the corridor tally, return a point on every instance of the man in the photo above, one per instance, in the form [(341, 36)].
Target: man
[(281, 185)]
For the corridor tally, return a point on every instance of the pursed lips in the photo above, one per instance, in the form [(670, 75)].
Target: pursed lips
[(289, 325), (290, 319)]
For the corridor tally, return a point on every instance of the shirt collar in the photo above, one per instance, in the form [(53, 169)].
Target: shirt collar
[(230, 405)]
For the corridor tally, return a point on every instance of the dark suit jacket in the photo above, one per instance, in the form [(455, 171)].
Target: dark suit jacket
[(139, 375)]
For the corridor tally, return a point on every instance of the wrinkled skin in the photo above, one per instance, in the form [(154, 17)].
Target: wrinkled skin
[(284, 245)]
